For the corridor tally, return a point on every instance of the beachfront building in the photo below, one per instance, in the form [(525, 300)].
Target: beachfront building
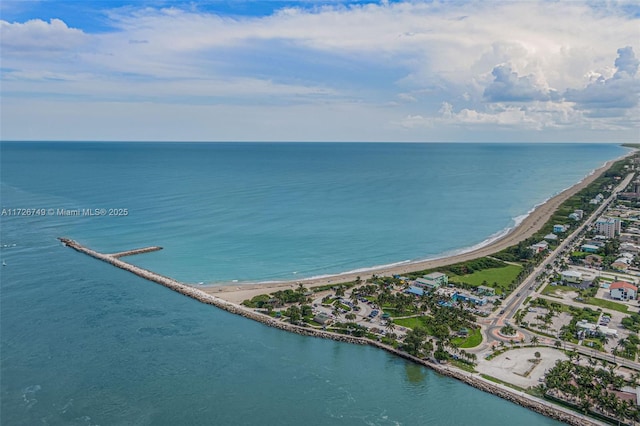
[(577, 215), (559, 229), (608, 226), (432, 281), (570, 276), (597, 199), (622, 290), (438, 277), (426, 284), (539, 247), (551, 237)]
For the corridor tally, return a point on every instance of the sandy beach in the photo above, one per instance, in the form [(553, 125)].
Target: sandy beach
[(530, 225)]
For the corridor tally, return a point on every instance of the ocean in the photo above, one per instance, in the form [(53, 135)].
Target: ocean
[(83, 343)]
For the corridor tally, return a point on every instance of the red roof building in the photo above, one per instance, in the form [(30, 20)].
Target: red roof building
[(621, 290)]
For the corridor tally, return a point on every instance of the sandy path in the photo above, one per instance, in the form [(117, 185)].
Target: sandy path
[(240, 292)]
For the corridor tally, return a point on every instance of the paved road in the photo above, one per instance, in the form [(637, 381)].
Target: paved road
[(527, 288), (514, 301)]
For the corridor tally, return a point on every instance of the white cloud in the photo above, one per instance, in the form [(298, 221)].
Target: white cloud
[(500, 64), (509, 87), (612, 96), (37, 36)]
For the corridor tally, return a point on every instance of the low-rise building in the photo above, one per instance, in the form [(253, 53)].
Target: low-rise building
[(463, 297), (571, 276), (559, 229), (322, 318), (417, 291), (620, 266), (628, 247), (595, 329), (489, 291), (426, 284), (622, 290), (438, 277), (589, 248), (551, 237), (539, 247), (593, 260)]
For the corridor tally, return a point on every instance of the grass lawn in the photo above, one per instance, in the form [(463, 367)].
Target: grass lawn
[(462, 365), (608, 304), (503, 276), (409, 310), (471, 341), (412, 322), (551, 290)]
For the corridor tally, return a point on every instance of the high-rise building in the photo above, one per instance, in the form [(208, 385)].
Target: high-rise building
[(608, 226)]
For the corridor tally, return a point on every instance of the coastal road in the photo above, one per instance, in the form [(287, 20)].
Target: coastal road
[(515, 300)]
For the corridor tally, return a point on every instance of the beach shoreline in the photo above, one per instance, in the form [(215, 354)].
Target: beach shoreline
[(532, 223)]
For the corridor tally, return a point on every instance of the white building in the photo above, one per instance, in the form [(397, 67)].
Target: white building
[(539, 247), (593, 328), (571, 276), (621, 290), (608, 226)]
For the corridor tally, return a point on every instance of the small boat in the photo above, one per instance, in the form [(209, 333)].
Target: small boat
[(4, 263)]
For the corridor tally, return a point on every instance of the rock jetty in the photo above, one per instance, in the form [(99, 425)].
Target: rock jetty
[(541, 406)]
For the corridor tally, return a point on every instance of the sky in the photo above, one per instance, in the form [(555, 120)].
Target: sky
[(423, 71)]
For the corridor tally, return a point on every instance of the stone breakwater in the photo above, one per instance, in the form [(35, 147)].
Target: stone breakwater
[(136, 251), (519, 398)]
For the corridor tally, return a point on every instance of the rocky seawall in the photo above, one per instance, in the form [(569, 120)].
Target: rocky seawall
[(535, 404)]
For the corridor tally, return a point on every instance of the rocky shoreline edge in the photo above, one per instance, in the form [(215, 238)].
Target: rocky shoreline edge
[(519, 398)]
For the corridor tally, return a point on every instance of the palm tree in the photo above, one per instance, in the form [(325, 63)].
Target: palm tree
[(558, 344), (336, 312), (535, 340), (354, 299), (390, 326)]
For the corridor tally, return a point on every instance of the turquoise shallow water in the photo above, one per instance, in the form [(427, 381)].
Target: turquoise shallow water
[(82, 343), (255, 212)]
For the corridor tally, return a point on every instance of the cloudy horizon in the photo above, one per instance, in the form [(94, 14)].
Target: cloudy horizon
[(320, 71)]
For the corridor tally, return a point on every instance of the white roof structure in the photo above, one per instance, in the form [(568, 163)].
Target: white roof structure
[(593, 327), (570, 273)]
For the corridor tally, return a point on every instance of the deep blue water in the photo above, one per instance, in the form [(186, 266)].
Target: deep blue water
[(83, 343)]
